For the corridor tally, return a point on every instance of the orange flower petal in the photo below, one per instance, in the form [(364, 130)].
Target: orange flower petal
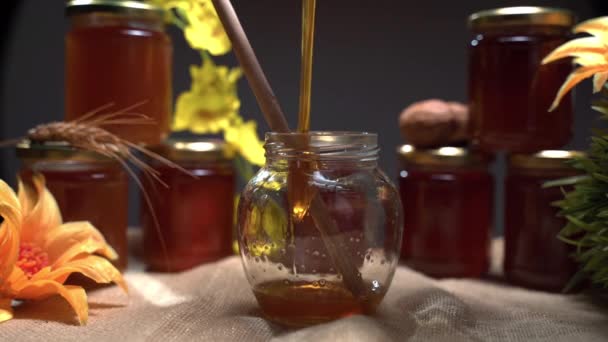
[(16, 280), (74, 295), (577, 48), (73, 239), (94, 267), (6, 311), (576, 77), (599, 80), (43, 216), (26, 195), (597, 27), (9, 229)]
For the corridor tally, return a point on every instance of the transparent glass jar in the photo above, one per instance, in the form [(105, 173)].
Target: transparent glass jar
[(195, 214), (534, 256), (117, 52), (87, 187), (510, 92), (447, 196), (319, 227)]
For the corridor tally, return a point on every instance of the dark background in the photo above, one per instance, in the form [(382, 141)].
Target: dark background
[(372, 58)]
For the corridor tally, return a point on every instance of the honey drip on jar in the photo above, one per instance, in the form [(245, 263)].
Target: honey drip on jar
[(300, 193)]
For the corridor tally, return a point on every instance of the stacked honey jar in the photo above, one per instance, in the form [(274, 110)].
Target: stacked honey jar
[(119, 56), (448, 191)]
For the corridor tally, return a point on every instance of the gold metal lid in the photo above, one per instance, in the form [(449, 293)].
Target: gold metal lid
[(56, 150), (442, 156), (125, 6), (194, 150), (547, 159), (522, 15)]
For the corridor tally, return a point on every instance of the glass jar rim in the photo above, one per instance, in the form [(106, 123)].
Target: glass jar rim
[(57, 151), (546, 159), (194, 149), (326, 136), (73, 7), (322, 145), (521, 15), (443, 156)]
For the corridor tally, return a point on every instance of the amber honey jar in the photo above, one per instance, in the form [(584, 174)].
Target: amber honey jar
[(331, 253), (534, 256), (447, 196), (510, 92), (195, 211), (87, 187), (117, 53)]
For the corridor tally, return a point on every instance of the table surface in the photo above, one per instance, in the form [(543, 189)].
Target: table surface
[(214, 302)]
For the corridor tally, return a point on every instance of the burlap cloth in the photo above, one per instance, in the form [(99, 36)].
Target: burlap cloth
[(214, 303)]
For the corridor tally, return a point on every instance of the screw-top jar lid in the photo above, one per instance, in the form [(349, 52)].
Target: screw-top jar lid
[(194, 150), (522, 15), (84, 6), (56, 150), (547, 159), (442, 156)]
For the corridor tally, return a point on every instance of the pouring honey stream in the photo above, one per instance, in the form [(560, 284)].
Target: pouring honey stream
[(302, 196)]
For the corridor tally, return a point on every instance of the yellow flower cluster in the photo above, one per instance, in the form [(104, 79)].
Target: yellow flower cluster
[(212, 104), (202, 28)]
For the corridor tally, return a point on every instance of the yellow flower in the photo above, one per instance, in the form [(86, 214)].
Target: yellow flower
[(203, 29), (243, 136), (38, 252), (211, 103), (591, 53)]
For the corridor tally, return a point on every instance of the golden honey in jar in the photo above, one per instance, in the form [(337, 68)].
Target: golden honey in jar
[(447, 196), (87, 187), (510, 92), (195, 212), (534, 256), (116, 52)]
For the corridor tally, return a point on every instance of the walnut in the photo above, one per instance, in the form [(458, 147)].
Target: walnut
[(434, 122)]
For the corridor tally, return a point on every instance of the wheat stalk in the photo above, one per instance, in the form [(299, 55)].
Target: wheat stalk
[(86, 133)]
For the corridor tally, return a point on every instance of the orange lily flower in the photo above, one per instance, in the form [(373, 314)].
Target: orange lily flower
[(38, 252), (591, 53)]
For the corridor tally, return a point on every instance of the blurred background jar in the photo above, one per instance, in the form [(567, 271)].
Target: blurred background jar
[(534, 256), (118, 53), (195, 212), (447, 196), (510, 92), (87, 187), (333, 252)]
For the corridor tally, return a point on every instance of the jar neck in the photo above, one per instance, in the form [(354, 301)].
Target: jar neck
[(533, 30), (152, 22), (325, 150)]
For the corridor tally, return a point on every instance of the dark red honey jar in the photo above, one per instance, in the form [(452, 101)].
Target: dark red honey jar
[(447, 196), (510, 92), (534, 256), (195, 212)]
